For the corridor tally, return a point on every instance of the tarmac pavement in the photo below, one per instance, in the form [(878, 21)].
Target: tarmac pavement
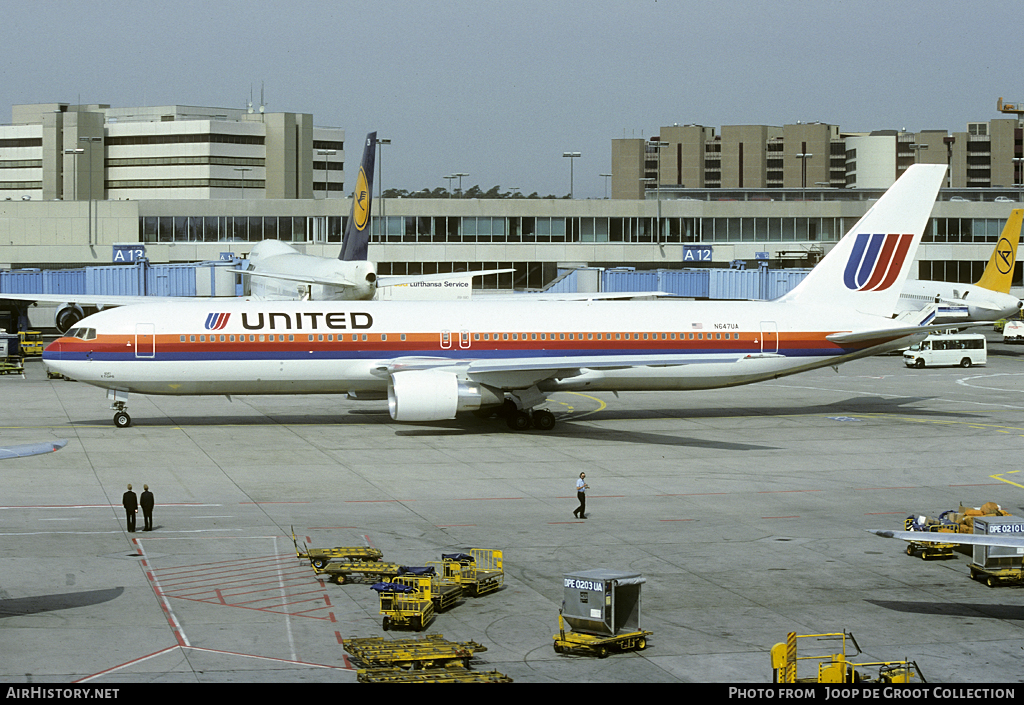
[(745, 509)]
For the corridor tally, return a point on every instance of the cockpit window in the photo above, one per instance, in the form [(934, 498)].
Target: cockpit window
[(81, 333)]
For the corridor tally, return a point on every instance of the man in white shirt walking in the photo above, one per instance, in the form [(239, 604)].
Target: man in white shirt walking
[(581, 494)]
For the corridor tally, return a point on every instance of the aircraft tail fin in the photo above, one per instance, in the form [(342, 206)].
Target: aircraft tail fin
[(999, 272), (866, 270), (356, 239)]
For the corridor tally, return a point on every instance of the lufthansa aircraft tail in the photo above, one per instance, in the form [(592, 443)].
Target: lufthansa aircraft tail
[(866, 270), (999, 272), (355, 241)]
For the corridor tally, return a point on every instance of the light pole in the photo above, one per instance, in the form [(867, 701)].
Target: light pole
[(243, 169), (380, 188), (803, 157), (90, 141), (327, 173), (572, 157), (74, 181), (449, 178), (460, 175)]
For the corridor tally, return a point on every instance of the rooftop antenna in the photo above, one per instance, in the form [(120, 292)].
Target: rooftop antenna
[(262, 104), (249, 104)]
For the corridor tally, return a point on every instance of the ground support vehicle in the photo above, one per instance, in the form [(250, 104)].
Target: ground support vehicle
[(599, 645), (964, 349), (406, 602), (994, 577), (449, 674), (320, 557), (926, 550), (342, 572), (11, 366), (479, 572), (998, 565), (31, 343), (10, 357), (430, 651), (835, 668), (602, 607)]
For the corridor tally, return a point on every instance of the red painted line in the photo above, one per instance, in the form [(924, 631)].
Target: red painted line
[(327, 599), (785, 491), (337, 635)]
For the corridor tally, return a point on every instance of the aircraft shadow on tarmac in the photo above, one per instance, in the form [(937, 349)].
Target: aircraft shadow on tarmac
[(470, 424), (22, 606), (954, 609)]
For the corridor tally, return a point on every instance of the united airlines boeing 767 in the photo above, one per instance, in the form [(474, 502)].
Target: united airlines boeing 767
[(436, 359)]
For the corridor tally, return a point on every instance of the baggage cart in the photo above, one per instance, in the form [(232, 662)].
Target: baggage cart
[(342, 572), (602, 608), (444, 593), (320, 557), (927, 550), (835, 667), (448, 674), (406, 602), (479, 572), (31, 342), (998, 565), (430, 651)]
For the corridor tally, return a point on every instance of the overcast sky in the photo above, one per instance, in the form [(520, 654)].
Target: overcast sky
[(501, 90)]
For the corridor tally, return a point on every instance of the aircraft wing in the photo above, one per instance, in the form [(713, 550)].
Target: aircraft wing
[(303, 279), (27, 449), (1009, 541), (100, 301), (525, 372), (398, 280)]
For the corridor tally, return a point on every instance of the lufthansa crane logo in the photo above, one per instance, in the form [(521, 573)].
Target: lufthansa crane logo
[(876, 261), (1004, 256), (361, 201)]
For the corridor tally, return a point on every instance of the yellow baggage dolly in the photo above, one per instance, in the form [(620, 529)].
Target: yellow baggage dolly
[(602, 608), (425, 652), (448, 674), (836, 668), (478, 572), (320, 557), (342, 572), (406, 602)]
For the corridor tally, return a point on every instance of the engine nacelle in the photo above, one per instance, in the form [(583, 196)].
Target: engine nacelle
[(67, 316), (433, 395)]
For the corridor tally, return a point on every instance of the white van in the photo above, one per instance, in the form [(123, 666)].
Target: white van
[(1013, 332), (964, 349)]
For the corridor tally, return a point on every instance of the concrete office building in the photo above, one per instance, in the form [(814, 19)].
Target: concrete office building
[(812, 155), (80, 152)]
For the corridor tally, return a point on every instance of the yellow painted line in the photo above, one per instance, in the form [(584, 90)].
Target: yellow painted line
[(1003, 479), (601, 406)]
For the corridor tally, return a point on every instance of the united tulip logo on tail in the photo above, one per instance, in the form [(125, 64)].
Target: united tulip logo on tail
[(217, 321), (876, 261)]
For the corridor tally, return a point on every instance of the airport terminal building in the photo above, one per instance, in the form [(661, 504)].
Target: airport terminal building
[(190, 183)]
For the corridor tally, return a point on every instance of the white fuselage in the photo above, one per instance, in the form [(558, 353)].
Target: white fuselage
[(297, 347)]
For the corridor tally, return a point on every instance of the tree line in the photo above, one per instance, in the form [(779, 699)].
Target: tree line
[(472, 192)]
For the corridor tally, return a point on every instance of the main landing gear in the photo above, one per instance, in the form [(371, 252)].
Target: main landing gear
[(524, 419)]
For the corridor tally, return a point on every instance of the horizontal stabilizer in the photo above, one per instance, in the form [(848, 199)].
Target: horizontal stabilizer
[(28, 449)]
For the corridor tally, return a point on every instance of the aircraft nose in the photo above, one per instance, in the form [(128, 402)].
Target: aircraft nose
[(53, 351)]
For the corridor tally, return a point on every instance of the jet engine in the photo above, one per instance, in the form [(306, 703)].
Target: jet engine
[(67, 316), (433, 395)]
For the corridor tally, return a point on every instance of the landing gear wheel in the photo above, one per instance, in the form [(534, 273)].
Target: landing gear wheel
[(543, 420), (519, 421), (122, 419)]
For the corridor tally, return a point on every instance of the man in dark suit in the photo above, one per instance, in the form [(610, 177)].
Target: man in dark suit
[(131, 506), (146, 501)]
